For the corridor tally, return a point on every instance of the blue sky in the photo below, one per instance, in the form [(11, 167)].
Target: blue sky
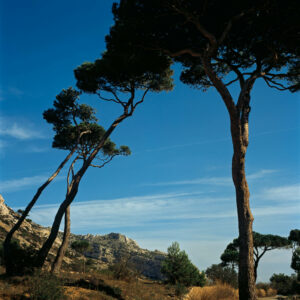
[(176, 185)]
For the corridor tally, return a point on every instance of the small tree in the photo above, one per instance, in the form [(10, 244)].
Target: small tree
[(294, 238), (121, 78), (261, 244), (81, 247), (220, 273), (70, 119), (178, 269)]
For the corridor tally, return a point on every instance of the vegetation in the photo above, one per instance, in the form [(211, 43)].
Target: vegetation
[(222, 274), (219, 44), (81, 246), (215, 292), (284, 284), (262, 243), (294, 238), (45, 286), (179, 270)]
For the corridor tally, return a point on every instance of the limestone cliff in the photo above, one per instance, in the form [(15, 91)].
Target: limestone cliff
[(105, 249)]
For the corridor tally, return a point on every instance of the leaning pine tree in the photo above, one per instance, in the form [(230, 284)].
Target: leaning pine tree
[(68, 126), (221, 44), (67, 110), (121, 78)]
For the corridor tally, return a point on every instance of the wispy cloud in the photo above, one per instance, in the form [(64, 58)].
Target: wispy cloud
[(182, 208), (23, 183), (18, 130), (217, 181), (282, 193), (10, 91)]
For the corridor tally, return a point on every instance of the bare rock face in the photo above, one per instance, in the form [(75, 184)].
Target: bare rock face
[(105, 249)]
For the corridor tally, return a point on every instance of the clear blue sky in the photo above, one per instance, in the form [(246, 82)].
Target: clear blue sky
[(176, 186)]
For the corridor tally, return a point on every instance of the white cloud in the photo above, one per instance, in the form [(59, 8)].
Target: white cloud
[(17, 130), (23, 183), (282, 193), (217, 181), (170, 208)]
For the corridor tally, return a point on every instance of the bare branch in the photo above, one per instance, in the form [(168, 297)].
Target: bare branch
[(232, 81), (117, 100), (105, 163), (142, 99), (273, 84)]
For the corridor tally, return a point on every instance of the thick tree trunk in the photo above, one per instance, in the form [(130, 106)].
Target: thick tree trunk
[(245, 219), (64, 245), (6, 245)]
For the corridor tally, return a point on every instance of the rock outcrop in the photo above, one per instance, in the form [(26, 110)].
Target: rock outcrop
[(105, 249)]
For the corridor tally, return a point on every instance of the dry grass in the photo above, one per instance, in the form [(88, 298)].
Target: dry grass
[(215, 292)]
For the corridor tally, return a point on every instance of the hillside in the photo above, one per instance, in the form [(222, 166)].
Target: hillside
[(105, 249)]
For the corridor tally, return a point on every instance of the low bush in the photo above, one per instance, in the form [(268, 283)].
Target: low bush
[(45, 286), (215, 292)]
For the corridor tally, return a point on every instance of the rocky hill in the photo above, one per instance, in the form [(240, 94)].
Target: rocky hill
[(105, 250)]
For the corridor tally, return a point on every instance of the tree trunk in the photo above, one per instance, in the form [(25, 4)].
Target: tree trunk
[(64, 245), (239, 133), (43, 252), (6, 245)]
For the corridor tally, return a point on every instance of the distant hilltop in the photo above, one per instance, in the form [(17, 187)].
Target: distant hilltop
[(105, 250)]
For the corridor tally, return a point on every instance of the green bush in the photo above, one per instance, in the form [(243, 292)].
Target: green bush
[(124, 270), (45, 286), (178, 269), (284, 284), (22, 258), (219, 273)]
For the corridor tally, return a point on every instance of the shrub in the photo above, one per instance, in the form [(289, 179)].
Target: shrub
[(22, 258), (45, 286), (180, 289), (284, 284), (179, 269), (124, 270), (221, 274), (215, 292)]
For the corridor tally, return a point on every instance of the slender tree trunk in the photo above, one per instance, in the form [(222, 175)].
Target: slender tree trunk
[(6, 245), (42, 254), (239, 133), (64, 245), (255, 269)]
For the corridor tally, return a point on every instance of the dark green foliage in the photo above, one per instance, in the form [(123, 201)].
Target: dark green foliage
[(119, 70), (70, 120), (261, 243), (124, 270), (81, 246), (284, 284), (178, 269), (256, 35), (220, 273), (180, 289), (22, 258), (295, 264), (230, 256), (45, 286), (294, 237)]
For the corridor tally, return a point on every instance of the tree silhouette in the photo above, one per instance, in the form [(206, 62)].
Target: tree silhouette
[(66, 113), (64, 117), (81, 246), (120, 78), (262, 243), (178, 268), (220, 44), (294, 238)]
